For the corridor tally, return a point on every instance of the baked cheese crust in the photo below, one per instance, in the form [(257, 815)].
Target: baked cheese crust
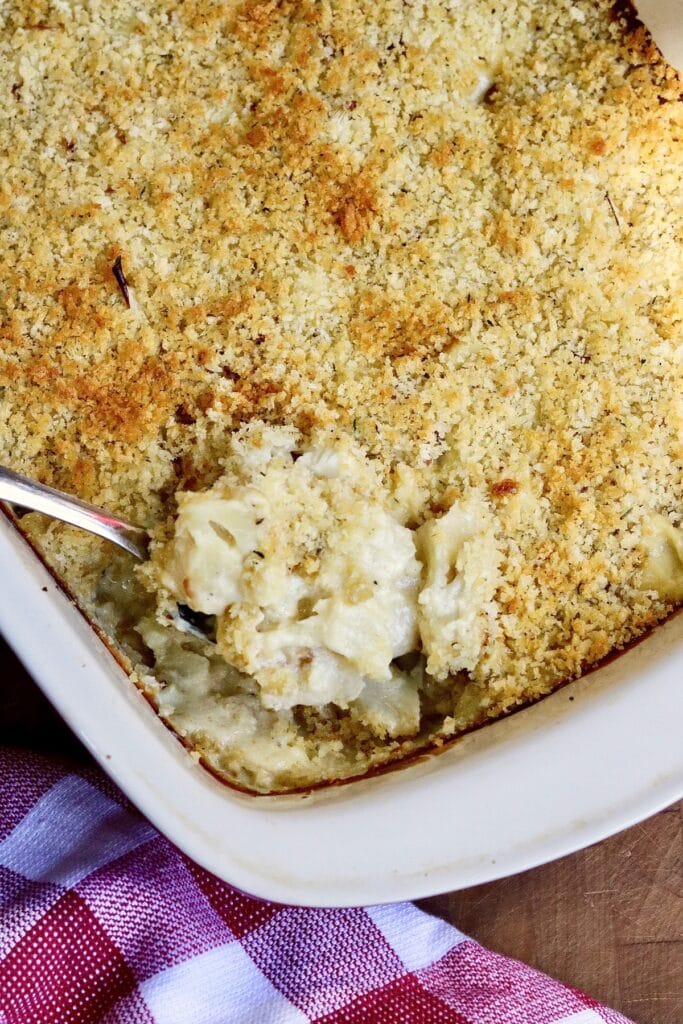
[(449, 235)]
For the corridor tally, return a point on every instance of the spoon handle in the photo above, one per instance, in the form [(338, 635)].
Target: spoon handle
[(28, 494)]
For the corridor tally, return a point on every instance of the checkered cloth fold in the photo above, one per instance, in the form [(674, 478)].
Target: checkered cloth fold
[(103, 920)]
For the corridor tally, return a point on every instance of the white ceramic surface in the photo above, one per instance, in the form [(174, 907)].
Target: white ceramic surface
[(591, 759)]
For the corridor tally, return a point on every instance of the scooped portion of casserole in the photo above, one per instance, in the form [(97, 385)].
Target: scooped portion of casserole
[(373, 314), (313, 580)]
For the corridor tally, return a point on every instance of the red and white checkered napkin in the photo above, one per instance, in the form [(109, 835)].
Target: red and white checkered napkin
[(103, 920)]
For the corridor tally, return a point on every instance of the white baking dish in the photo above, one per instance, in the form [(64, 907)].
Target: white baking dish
[(591, 759)]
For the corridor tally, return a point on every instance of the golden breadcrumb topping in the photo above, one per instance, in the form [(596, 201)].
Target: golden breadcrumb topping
[(450, 233)]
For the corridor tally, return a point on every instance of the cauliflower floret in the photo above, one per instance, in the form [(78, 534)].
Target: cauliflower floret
[(313, 580), (391, 708), (663, 567), (461, 573), (213, 536)]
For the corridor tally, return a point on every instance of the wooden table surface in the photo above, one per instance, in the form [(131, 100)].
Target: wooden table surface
[(608, 920)]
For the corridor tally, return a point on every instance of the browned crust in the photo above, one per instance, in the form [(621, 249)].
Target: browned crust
[(309, 172)]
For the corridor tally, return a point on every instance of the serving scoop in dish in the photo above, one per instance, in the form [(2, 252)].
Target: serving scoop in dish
[(23, 493)]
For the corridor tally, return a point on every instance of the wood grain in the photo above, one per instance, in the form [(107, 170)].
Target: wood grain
[(608, 919)]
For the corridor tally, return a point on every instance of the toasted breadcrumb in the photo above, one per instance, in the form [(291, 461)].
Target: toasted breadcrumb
[(452, 232)]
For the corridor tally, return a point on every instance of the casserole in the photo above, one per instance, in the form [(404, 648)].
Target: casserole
[(381, 300), (587, 761)]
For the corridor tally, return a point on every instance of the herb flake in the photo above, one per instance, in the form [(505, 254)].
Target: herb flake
[(117, 271), (614, 212)]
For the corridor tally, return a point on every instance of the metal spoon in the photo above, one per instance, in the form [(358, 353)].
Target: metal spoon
[(20, 491), (28, 494)]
